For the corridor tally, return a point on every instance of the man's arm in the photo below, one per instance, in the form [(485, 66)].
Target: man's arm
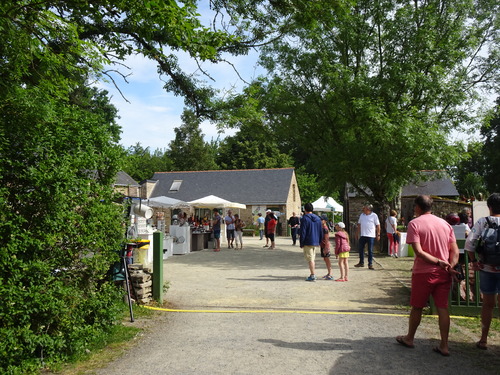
[(454, 254), (420, 253), (377, 228)]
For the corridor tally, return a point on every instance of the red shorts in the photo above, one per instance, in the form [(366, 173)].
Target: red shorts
[(436, 284)]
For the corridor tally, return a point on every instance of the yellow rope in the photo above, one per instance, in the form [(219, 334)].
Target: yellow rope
[(290, 312)]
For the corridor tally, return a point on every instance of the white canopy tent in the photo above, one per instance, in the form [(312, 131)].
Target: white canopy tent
[(327, 204), (212, 201), (165, 202)]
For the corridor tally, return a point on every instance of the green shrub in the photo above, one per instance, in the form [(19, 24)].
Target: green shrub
[(59, 228)]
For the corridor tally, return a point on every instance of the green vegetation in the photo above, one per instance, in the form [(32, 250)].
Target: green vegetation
[(60, 220), (109, 346), (350, 96)]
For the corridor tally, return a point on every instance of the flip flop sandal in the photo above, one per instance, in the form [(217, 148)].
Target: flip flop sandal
[(401, 341), (481, 345), (437, 350)]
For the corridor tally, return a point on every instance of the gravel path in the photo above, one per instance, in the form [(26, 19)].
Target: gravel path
[(251, 311)]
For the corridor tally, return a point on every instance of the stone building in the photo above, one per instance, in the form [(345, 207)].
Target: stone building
[(258, 189), (437, 184), (127, 185)]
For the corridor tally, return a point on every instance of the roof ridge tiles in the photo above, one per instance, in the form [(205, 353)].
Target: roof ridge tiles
[(230, 170)]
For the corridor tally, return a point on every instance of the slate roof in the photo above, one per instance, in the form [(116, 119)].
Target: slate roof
[(124, 179), (249, 186), (440, 185)]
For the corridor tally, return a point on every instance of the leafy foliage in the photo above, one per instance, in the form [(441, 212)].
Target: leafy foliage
[(140, 163), (255, 145), (59, 226), (308, 186), (469, 171), (368, 102), (491, 132), (60, 229), (188, 151)]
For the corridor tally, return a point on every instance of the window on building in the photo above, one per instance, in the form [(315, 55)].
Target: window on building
[(176, 185), (293, 189)]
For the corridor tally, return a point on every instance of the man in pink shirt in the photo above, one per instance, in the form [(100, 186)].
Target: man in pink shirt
[(436, 253)]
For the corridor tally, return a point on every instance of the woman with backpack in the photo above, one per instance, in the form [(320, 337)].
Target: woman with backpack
[(483, 246)]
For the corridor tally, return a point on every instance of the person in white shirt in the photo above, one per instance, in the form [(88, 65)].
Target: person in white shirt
[(229, 221), (368, 231)]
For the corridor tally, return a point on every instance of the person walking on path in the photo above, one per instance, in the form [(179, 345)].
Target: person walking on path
[(436, 253), (325, 247), (489, 273), (368, 230), (269, 213), (260, 223), (311, 233), (216, 228), (229, 220), (238, 228), (391, 227), (293, 223), (342, 249), (271, 228)]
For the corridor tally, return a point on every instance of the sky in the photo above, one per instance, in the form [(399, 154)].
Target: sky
[(151, 114)]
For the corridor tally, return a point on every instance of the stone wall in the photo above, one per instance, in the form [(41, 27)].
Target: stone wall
[(142, 283), (441, 207)]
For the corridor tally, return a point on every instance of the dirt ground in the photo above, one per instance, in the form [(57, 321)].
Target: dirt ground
[(251, 311)]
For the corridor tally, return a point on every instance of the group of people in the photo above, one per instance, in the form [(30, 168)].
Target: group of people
[(234, 229), (314, 233), (436, 254)]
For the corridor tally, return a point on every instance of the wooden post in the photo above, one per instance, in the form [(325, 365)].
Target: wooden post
[(158, 267)]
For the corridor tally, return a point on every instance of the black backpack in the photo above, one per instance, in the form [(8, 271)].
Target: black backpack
[(488, 246)]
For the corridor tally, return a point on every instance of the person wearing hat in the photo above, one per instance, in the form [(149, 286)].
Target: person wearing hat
[(342, 249)]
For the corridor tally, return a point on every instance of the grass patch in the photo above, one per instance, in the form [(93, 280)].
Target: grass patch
[(474, 325), (109, 347)]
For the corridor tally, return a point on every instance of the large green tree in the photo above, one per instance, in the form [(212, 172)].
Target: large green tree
[(59, 226), (366, 91), (254, 145), (469, 171), (140, 163), (189, 151)]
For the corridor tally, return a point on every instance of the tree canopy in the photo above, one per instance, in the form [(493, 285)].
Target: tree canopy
[(368, 102), (188, 151), (60, 228), (491, 133)]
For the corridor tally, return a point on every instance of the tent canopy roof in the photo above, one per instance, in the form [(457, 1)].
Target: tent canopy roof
[(212, 201), (327, 204)]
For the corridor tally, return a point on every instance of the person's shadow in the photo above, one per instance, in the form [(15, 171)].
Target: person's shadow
[(383, 355)]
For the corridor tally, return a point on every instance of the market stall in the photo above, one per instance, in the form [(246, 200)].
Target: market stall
[(210, 202)]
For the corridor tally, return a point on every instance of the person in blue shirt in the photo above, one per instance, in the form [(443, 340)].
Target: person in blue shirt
[(260, 222), (311, 233)]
